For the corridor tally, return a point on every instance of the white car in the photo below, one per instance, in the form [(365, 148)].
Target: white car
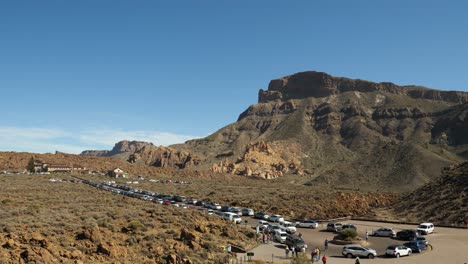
[(426, 228), (262, 225), (280, 236), (384, 231), (275, 218), (247, 211), (288, 227), (397, 251), (308, 224)]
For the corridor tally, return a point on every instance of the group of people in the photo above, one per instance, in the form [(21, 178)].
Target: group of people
[(267, 237), (315, 254)]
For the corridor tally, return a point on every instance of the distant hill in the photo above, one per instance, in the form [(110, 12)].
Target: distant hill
[(444, 200), (331, 130)]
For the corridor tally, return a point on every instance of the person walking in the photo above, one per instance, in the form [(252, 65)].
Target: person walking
[(324, 259), (367, 236), (358, 261), (326, 244), (286, 251), (293, 249)]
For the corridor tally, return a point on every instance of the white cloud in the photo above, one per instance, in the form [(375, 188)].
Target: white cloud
[(49, 139)]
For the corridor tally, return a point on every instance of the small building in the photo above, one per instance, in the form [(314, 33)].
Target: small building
[(117, 173), (58, 168), (38, 166), (76, 167)]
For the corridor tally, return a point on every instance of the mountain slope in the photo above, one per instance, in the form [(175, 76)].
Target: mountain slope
[(450, 192), (343, 132), (334, 131)]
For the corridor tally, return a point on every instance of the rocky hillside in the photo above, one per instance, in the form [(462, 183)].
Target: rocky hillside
[(331, 130), (342, 132), (147, 154), (449, 192)]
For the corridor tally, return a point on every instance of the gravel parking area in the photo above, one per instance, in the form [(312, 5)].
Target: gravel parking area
[(450, 245)]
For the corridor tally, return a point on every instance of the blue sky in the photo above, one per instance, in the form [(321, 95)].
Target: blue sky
[(78, 75)]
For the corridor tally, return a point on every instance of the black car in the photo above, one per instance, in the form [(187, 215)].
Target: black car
[(179, 199), (407, 234), (200, 203), (345, 226), (225, 208), (296, 242)]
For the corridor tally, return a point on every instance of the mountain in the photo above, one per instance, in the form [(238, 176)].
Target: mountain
[(450, 192), (147, 154), (333, 131)]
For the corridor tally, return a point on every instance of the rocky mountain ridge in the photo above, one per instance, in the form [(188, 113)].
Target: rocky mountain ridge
[(334, 131)]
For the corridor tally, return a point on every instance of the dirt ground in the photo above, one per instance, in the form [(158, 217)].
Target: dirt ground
[(449, 246)]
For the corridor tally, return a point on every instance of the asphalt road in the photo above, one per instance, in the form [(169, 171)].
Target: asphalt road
[(449, 246)]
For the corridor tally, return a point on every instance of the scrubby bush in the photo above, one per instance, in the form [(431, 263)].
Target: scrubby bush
[(300, 259), (348, 234)]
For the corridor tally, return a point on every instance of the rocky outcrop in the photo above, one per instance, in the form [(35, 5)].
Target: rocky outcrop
[(95, 153), (452, 128), (398, 113), (319, 84), (269, 110), (164, 157), (123, 146), (258, 160)]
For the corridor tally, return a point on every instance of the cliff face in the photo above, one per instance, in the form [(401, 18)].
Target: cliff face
[(342, 132), (123, 146), (319, 84), (330, 130)]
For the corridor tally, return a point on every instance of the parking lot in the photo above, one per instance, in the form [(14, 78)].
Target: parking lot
[(449, 246)]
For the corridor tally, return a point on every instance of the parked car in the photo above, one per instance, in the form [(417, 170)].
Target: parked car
[(384, 231), (308, 224), (334, 227), (416, 246), (397, 251), (280, 236), (288, 227), (296, 242), (272, 228), (262, 224), (407, 234), (422, 239), (350, 226), (248, 211), (426, 228), (209, 212), (214, 206), (192, 201), (232, 217), (167, 202), (200, 203), (275, 218), (261, 215), (236, 210), (351, 251), (226, 208), (179, 199)]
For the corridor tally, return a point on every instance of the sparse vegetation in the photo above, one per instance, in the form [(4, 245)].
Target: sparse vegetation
[(348, 234)]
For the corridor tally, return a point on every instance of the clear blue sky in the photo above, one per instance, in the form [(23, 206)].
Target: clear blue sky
[(85, 74)]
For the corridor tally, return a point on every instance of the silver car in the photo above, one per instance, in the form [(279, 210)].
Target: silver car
[(384, 231), (352, 251)]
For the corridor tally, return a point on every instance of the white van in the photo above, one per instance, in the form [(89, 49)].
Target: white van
[(233, 217), (426, 228)]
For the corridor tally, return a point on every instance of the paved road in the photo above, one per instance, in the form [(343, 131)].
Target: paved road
[(449, 246)]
